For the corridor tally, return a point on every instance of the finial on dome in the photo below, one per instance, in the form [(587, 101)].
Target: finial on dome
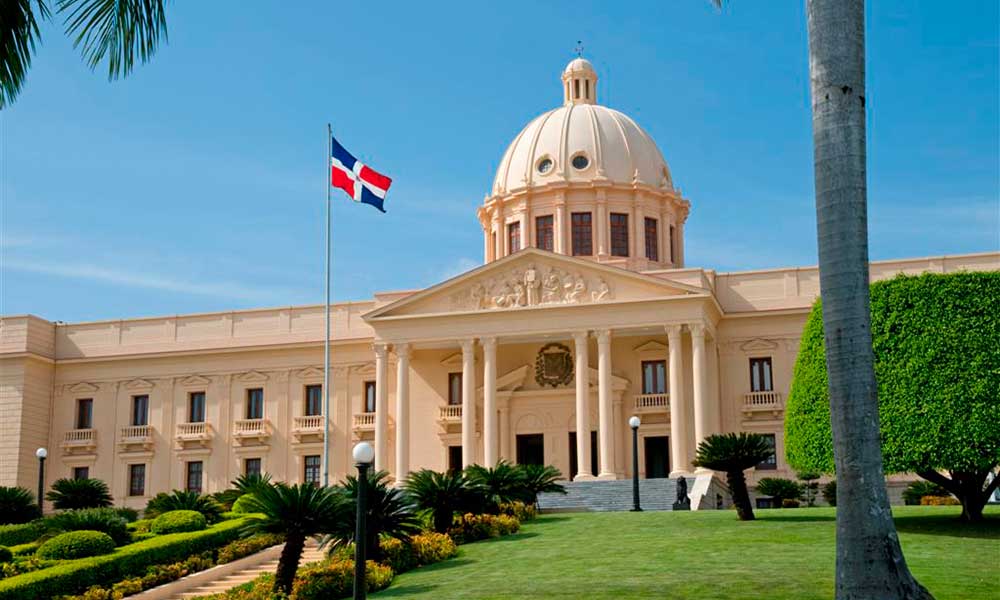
[(579, 48), (579, 80)]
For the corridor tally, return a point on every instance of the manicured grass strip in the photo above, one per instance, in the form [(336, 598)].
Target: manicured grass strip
[(785, 554)]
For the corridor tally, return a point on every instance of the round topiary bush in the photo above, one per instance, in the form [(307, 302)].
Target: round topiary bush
[(177, 521), (5, 554), (76, 544), (242, 504)]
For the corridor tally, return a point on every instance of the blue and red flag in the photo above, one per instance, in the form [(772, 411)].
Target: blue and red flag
[(361, 182)]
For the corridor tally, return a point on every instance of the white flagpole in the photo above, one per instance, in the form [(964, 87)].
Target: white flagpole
[(326, 339)]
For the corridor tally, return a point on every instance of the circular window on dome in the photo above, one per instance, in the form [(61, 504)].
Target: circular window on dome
[(545, 165), (580, 162)]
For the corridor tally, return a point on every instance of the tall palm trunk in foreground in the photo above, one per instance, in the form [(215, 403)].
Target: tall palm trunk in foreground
[(870, 563)]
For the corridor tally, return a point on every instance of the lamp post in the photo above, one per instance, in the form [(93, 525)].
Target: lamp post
[(634, 424), (41, 453), (364, 454)]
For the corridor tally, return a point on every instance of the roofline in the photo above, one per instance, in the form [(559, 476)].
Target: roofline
[(871, 262)]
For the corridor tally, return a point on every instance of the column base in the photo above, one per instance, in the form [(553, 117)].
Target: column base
[(703, 471), (675, 474), (583, 477), (607, 477)]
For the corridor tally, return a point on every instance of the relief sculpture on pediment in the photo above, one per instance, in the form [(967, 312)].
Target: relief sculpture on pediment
[(532, 286)]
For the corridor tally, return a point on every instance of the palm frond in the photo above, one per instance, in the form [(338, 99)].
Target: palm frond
[(120, 30), (18, 34)]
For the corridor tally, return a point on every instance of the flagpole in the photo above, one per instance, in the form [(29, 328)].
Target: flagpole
[(326, 306)]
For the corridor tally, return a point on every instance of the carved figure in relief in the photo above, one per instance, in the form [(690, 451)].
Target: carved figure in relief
[(552, 289), (532, 283), (578, 292), (603, 291), (478, 294), (503, 298), (518, 297)]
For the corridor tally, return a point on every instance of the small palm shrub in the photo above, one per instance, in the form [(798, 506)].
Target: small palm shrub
[(541, 479), (76, 544), (918, 489), (498, 485), (779, 489), (335, 579), (17, 505), (441, 494), (70, 494), (242, 485), (106, 520), (830, 492), (176, 521), (184, 500), (6, 555), (391, 512), (733, 453)]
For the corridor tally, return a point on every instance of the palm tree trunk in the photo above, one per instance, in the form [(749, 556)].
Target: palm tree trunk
[(737, 482), (870, 563), (288, 562)]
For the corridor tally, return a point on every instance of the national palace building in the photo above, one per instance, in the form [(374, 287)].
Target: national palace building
[(583, 314)]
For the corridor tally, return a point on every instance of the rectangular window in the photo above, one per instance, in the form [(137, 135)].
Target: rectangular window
[(493, 244), (369, 396), (81, 472), (314, 400), (195, 469), (673, 247), (311, 466), (619, 234), (137, 480), (251, 466), (654, 377), (583, 241), (140, 410), (652, 240), (513, 237), (771, 462), (576, 89), (454, 389), (255, 403), (760, 375), (543, 233), (196, 407), (85, 413)]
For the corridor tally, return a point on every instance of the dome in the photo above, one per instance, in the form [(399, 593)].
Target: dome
[(581, 141)]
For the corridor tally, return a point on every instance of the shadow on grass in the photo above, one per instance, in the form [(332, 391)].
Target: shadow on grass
[(950, 526), (402, 591), (550, 518), (784, 516), (515, 537), (451, 563)]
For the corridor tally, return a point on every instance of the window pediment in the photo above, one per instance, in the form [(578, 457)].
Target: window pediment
[(252, 377), (758, 344), (139, 385)]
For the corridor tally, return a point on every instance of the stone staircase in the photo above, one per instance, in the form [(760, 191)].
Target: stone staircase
[(612, 496), (310, 554)]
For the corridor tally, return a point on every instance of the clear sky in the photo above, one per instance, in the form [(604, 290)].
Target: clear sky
[(197, 184)]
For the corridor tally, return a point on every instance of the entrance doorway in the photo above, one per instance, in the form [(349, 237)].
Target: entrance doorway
[(657, 449), (454, 458), (573, 457), (531, 449)]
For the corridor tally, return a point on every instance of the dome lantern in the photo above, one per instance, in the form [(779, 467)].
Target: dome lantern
[(579, 82)]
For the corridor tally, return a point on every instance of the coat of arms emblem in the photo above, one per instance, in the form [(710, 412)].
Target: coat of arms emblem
[(554, 365)]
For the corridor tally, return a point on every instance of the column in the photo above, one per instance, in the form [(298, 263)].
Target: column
[(639, 227), (525, 231), (402, 412), (560, 226), (602, 223), (605, 418), (700, 375), (489, 401), (498, 249), (381, 408), (582, 370), (468, 403), (679, 458)]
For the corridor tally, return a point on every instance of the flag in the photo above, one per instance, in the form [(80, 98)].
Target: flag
[(361, 182)]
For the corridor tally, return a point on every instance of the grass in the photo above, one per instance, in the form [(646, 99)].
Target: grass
[(784, 554)]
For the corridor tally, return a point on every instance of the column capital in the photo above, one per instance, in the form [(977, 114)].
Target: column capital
[(603, 336), (489, 343), (580, 337), (673, 332), (381, 349), (401, 350), (468, 346), (697, 330)]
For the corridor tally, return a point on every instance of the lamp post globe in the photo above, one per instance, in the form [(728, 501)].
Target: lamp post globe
[(41, 453), (634, 423), (363, 454)]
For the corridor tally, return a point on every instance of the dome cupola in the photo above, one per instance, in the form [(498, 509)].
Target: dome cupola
[(579, 82)]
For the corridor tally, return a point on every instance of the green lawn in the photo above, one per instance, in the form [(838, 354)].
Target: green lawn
[(704, 555)]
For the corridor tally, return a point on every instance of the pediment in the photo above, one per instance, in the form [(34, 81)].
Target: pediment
[(367, 369), (252, 377), (195, 381), (139, 385), (758, 344), (651, 346), (532, 279), (452, 360), (84, 388), (309, 373)]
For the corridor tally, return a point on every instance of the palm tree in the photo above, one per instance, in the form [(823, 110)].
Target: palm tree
[(118, 30), (68, 494), (500, 484), (390, 512), (17, 505), (297, 512), (541, 479), (443, 494), (733, 453), (242, 485), (183, 500)]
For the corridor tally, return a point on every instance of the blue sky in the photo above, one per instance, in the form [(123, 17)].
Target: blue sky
[(197, 184)]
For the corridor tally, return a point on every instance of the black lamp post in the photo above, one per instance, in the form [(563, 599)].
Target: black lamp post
[(363, 456), (634, 424), (41, 453)]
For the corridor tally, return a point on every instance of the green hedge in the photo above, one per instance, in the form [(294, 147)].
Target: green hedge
[(72, 577), (5, 554), (177, 521), (14, 535), (76, 544)]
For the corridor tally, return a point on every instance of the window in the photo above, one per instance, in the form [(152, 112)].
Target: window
[(586, 89), (673, 247), (771, 462), (545, 165), (654, 377), (140, 410), (314, 400), (760, 375), (513, 237), (196, 407), (493, 243), (576, 88), (582, 235), (652, 240), (251, 466), (85, 413), (543, 233), (370, 396), (255, 403), (81, 472), (454, 389), (195, 469), (580, 162), (619, 234), (137, 480), (310, 472)]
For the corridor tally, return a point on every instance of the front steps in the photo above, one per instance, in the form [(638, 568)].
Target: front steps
[(311, 553), (612, 496)]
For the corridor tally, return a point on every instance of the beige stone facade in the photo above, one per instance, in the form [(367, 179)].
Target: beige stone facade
[(507, 361)]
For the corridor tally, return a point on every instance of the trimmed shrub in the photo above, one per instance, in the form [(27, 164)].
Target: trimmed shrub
[(519, 510), (177, 521), (470, 528), (76, 544), (13, 535), (25, 549), (5, 554), (242, 504), (779, 489), (106, 520), (70, 494), (247, 546), (789, 503), (429, 548), (939, 501), (183, 500), (915, 492), (397, 554), (130, 515), (140, 526), (138, 537), (17, 505), (335, 579), (830, 492)]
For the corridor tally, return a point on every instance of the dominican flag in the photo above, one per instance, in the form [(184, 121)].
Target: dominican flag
[(361, 182)]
